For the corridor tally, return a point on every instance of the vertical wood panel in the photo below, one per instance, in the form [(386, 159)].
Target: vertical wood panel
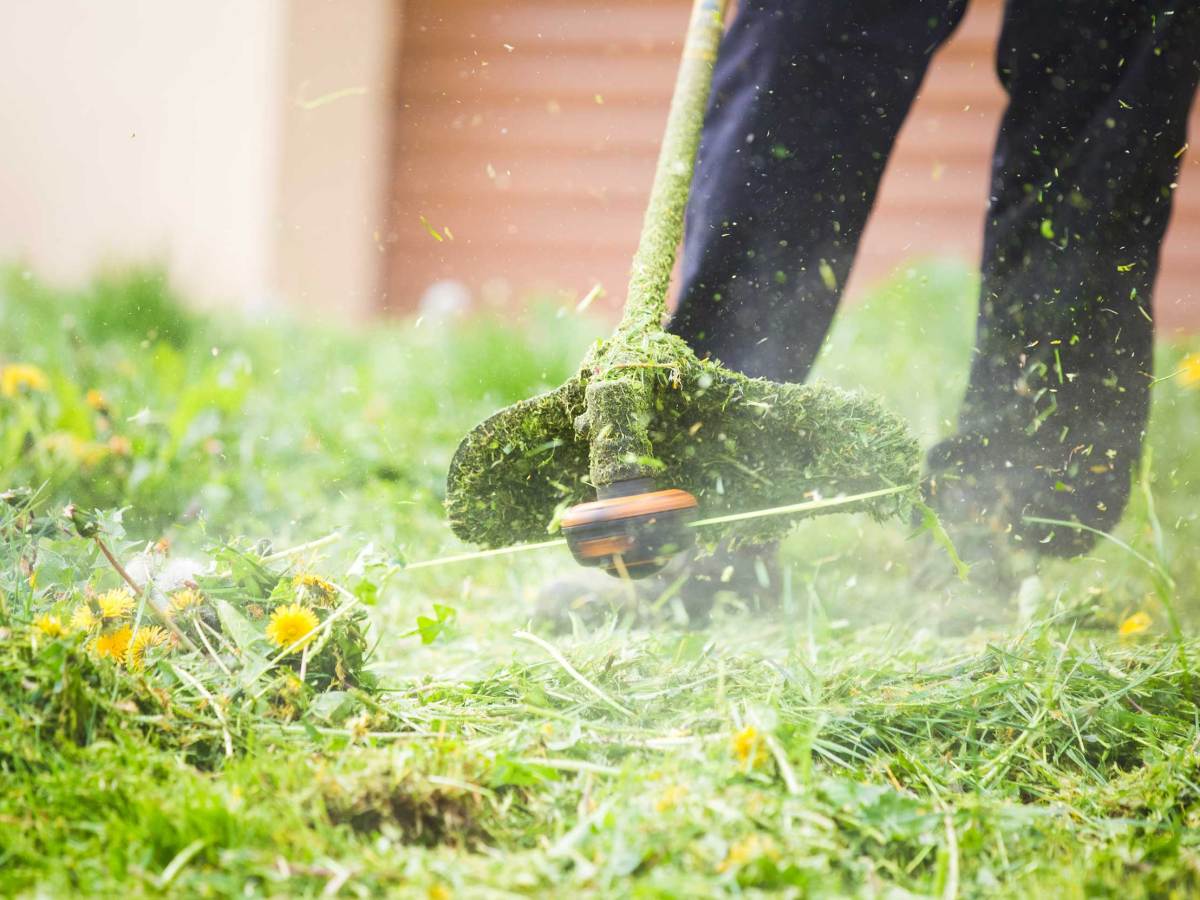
[(527, 131), (526, 138)]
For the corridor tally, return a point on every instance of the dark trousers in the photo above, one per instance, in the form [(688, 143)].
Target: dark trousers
[(808, 98)]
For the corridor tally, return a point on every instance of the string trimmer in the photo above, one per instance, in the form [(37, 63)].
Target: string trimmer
[(625, 454)]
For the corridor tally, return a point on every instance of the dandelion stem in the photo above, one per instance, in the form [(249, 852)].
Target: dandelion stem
[(951, 889), (181, 859), (138, 591), (211, 652), (572, 671), (781, 760), (116, 564), (191, 679)]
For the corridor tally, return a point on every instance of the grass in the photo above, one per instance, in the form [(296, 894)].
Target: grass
[(853, 742)]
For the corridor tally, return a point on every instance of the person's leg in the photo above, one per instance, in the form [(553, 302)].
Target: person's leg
[(1085, 166), (807, 100)]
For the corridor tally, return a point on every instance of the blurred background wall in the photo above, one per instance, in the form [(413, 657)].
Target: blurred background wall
[(242, 142), (354, 156), (135, 129)]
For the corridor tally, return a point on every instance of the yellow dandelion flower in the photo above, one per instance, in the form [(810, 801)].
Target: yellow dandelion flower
[(83, 619), (310, 580), (314, 586), (1189, 370), (749, 747), (290, 623), (114, 644), (96, 400), (182, 601), (747, 850), (670, 798), (64, 446), (1135, 624), (19, 377), (143, 640), (115, 604), (49, 625), (91, 454)]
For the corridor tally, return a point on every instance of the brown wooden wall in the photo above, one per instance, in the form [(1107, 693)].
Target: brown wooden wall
[(526, 134)]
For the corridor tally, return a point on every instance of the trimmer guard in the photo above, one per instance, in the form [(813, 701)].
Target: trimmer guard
[(736, 443)]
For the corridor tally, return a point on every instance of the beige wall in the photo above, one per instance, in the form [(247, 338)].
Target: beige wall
[(141, 129), (239, 141), (340, 61)]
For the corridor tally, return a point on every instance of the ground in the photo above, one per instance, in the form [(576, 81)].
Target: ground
[(432, 741)]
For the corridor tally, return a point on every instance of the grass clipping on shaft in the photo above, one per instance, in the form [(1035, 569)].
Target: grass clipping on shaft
[(643, 405)]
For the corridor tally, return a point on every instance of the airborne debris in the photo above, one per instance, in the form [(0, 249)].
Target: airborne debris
[(590, 297), (433, 232)]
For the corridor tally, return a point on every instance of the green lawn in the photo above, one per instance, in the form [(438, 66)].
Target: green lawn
[(431, 742)]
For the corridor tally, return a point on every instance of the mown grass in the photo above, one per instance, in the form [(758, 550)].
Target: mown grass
[(851, 742)]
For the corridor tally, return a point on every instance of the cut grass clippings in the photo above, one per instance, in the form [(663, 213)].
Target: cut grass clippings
[(860, 739)]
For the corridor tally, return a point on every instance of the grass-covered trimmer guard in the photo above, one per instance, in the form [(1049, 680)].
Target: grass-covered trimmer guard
[(646, 435)]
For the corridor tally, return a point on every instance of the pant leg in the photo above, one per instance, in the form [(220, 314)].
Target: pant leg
[(808, 96), (1085, 166)]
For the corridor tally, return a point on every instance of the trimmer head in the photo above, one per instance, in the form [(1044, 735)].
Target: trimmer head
[(631, 530)]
